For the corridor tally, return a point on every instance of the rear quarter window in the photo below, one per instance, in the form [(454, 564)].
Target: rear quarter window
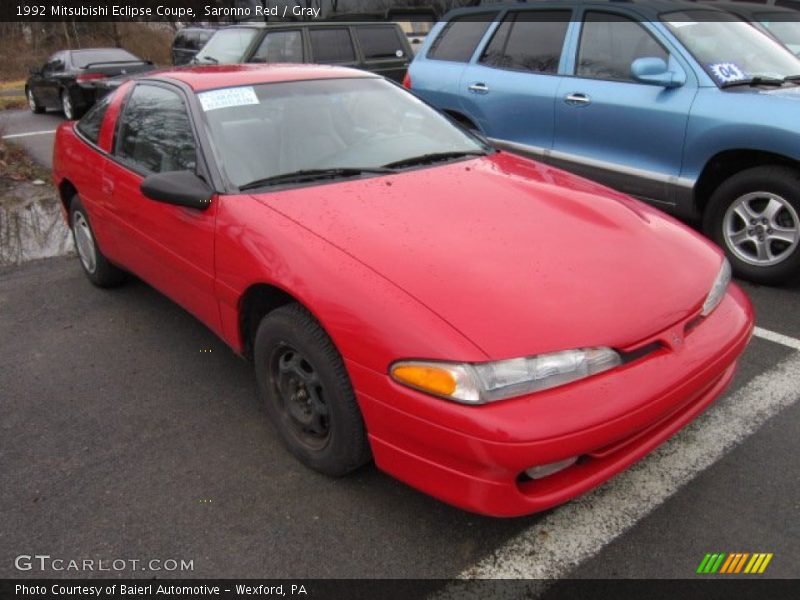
[(459, 38), (91, 123), (378, 43)]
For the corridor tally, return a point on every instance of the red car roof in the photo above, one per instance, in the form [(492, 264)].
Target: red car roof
[(210, 77)]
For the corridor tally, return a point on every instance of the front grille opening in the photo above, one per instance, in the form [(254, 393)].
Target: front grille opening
[(639, 353)]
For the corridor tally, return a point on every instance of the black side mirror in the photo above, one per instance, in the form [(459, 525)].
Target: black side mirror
[(182, 188)]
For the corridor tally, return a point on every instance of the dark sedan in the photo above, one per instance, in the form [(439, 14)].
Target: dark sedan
[(67, 80)]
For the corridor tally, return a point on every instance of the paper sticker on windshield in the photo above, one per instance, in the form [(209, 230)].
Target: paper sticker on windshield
[(727, 72), (227, 98)]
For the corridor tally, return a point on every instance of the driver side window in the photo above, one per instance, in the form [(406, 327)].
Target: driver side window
[(610, 43), (155, 132)]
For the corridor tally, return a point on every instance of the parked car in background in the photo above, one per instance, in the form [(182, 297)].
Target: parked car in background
[(66, 80), (781, 23), (679, 104), (381, 48), (493, 331), (188, 42)]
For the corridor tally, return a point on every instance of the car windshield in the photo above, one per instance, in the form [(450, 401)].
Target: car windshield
[(731, 50), (227, 46), (339, 126), (786, 29), (82, 58)]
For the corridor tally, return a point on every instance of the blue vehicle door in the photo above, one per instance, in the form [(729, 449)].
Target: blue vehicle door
[(436, 70), (624, 133), (509, 88)]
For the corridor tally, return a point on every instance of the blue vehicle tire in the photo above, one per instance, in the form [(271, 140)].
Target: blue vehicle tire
[(754, 216)]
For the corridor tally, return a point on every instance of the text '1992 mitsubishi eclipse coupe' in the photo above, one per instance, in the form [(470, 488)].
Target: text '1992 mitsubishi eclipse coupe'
[(493, 331)]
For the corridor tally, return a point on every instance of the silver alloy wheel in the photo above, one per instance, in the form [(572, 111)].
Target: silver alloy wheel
[(32, 101), (84, 242), (66, 105), (761, 228)]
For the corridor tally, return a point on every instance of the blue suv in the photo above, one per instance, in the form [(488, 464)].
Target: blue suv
[(682, 105)]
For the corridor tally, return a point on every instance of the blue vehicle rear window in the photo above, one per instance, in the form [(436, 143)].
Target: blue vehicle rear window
[(460, 37)]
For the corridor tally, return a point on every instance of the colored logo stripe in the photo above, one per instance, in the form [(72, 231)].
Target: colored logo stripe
[(735, 562)]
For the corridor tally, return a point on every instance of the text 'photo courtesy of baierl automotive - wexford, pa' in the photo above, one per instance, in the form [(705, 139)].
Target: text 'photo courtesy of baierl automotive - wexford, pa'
[(416, 299)]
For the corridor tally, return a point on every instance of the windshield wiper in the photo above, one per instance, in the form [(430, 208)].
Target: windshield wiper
[(754, 81), (312, 174), (792, 78), (209, 59), (431, 157)]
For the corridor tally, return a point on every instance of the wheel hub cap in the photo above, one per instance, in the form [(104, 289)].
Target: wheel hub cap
[(761, 228), (84, 242), (301, 396)]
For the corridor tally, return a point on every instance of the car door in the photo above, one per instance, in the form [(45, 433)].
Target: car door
[(608, 127), (435, 74), (47, 85), (510, 87), (332, 46), (171, 247), (383, 50)]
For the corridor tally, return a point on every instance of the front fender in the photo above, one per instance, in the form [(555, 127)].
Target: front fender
[(371, 320)]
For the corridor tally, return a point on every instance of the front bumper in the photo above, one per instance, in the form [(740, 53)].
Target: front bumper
[(474, 457)]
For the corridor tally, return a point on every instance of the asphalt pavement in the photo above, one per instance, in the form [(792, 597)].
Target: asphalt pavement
[(128, 430), (34, 132)]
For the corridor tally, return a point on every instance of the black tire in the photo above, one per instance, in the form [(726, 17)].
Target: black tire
[(99, 270), (293, 355), (71, 112), (749, 193), (33, 103)]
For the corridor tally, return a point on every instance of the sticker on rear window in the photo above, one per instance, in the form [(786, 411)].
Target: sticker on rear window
[(727, 72), (227, 98)]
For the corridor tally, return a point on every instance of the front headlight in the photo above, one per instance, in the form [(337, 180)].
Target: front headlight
[(718, 289), (487, 382)]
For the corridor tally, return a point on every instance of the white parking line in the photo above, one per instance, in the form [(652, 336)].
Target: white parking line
[(778, 338), (578, 530), (19, 135)]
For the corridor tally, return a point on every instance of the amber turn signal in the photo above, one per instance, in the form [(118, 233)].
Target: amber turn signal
[(429, 378)]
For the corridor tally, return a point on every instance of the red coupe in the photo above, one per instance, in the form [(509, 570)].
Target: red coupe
[(492, 331)]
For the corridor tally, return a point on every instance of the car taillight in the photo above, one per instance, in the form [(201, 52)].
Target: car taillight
[(91, 76), (407, 81)]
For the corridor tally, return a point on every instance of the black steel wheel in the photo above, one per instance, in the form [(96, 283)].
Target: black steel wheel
[(310, 400)]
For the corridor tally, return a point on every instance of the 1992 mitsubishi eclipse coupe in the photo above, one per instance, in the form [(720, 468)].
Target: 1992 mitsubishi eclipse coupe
[(493, 331)]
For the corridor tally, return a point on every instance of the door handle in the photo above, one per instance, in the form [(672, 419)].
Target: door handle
[(479, 88), (577, 99), (107, 185)]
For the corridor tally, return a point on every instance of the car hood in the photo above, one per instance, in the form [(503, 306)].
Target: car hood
[(519, 257)]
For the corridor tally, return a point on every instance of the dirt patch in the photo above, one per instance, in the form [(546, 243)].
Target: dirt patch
[(16, 166), (12, 102)]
